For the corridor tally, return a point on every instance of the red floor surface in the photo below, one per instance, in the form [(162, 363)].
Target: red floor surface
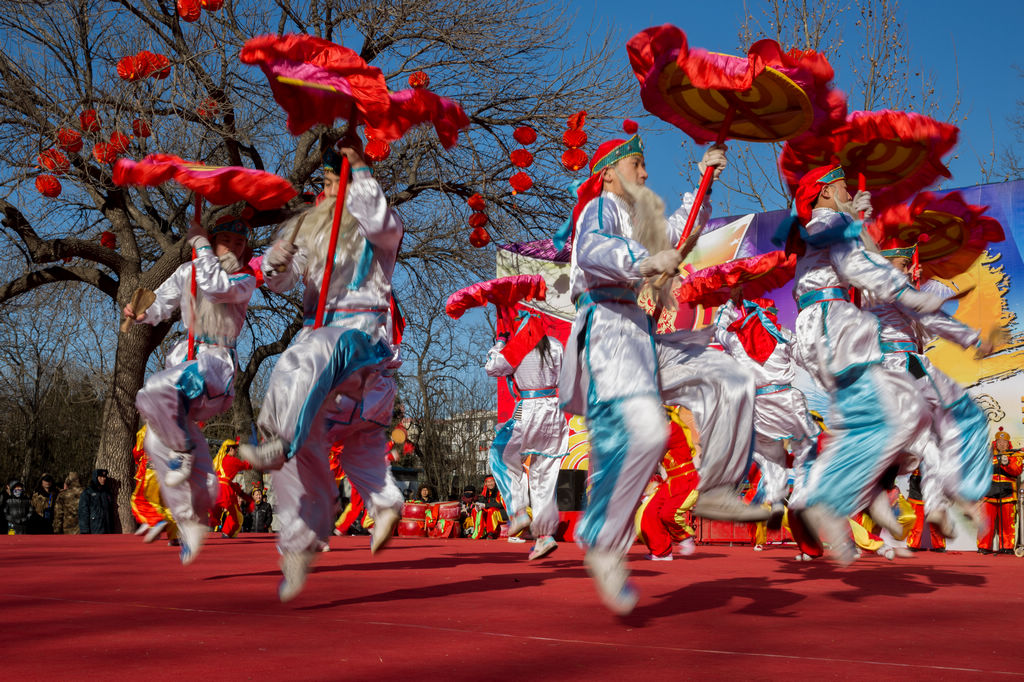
[(109, 607)]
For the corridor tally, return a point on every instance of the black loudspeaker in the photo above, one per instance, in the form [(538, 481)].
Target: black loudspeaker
[(572, 489)]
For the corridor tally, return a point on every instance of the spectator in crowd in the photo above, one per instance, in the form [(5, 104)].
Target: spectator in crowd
[(262, 515), (426, 494), (17, 509), (43, 500), (5, 492), (65, 509), (96, 506)]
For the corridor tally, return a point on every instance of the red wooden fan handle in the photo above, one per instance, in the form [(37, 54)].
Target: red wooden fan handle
[(332, 246), (862, 185)]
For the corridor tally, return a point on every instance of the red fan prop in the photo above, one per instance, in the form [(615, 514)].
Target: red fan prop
[(503, 292), (756, 276), (768, 96), (893, 154), (218, 184), (316, 81), (950, 233)]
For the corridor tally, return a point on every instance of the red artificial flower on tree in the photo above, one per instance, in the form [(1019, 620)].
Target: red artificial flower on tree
[(119, 142), (629, 126), (573, 138), (574, 159), (130, 68), (521, 182), (521, 158), (525, 135), (476, 202), (189, 10), (108, 239), (209, 108), (577, 120), (377, 150), (479, 238), (141, 128), (89, 120), (158, 66), (69, 140), (419, 79), (48, 186), (104, 153), (54, 161), (478, 220), (212, 5)]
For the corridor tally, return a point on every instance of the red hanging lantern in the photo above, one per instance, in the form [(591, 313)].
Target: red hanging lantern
[(159, 66), (521, 182), (629, 126), (525, 135), (377, 150), (48, 186), (89, 120), (574, 159), (212, 5), (476, 202), (141, 128), (574, 138), (54, 161), (108, 239), (419, 79), (119, 142), (577, 120), (130, 68), (189, 10), (69, 140), (479, 238), (104, 153), (521, 158), (478, 220)]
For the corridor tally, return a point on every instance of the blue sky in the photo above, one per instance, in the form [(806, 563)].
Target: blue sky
[(981, 39)]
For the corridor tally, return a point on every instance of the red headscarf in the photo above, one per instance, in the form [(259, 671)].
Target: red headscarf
[(607, 154), (810, 187)]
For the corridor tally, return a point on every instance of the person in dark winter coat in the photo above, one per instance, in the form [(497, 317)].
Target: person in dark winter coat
[(65, 510), (17, 509), (261, 516), (43, 500), (96, 506)]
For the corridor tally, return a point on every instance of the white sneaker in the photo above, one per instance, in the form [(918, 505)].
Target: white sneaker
[(542, 547), (611, 578), (518, 523), (180, 465), (803, 557), (686, 547), (192, 536), (833, 531), (383, 528), (652, 557), (267, 456), (723, 503), (515, 539), (154, 532), (887, 552), (880, 511), (143, 527), (294, 567), (758, 548)]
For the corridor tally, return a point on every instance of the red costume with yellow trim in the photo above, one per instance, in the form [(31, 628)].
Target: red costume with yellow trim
[(147, 507), (1000, 503), (916, 534), (355, 510), (226, 514), (488, 514), (661, 518)]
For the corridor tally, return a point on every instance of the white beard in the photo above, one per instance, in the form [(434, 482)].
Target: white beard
[(213, 321), (315, 234), (650, 228)]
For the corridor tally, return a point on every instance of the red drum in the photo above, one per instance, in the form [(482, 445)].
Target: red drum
[(414, 510), (411, 528), (448, 510)]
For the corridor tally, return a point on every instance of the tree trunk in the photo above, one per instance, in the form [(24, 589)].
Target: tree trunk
[(121, 419)]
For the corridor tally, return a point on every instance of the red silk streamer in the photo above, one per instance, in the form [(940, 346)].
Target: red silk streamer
[(339, 205), (192, 326)]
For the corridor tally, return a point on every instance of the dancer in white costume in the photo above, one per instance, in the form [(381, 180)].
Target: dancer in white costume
[(610, 370), (190, 391), (957, 461), (876, 415), (750, 333), (537, 430), (333, 384)]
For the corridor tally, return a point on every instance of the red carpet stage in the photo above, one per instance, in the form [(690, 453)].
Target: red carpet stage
[(110, 607)]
